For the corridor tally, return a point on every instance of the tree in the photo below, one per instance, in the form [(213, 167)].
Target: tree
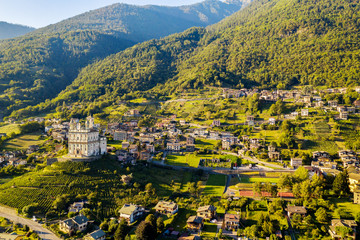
[(151, 219), (343, 231), (258, 188), (145, 231), (321, 215), (29, 210), (104, 225), (121, 231), (160, 225), (341, 184), (301, 174)]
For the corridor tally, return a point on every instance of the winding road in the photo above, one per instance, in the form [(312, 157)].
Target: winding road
[(36, 227)]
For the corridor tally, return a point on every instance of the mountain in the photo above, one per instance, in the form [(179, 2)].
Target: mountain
[(140, 23), (39, 65), (269, 44), (8, 30)]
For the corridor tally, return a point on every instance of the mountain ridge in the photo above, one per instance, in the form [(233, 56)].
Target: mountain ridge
[(34, 72), (271, 44), (11, 30)]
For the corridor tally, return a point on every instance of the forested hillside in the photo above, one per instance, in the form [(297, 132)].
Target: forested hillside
[(270, 44), (39, 65), (35, 68), (8, 30), (140, 23)]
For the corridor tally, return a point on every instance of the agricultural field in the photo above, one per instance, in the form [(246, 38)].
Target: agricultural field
[(215, 185), (23, 142), (193, 160), (10, 128), (100, 179)]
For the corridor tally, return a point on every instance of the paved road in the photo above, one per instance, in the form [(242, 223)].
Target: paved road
[(228, 179), (36, 227)]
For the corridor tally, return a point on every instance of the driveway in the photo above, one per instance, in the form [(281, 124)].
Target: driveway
[(36, 227)]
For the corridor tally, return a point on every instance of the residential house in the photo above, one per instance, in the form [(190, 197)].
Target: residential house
[(343, 115), (17, 162), (341, 109), (145, 155), (350, 109), (317, 98), (216, 123), (192, 237), (274, 155), (165, 207), (320, 154), (226, 144), (96, 235), (296, 162), (32, 148), (147, 139), (357, 196), (173, 146), (307, 99), (324, 163), (255, 146), (354, 181), (207, 212), (190, 148), (231, 221), (131, 212), (356, 103), (271, 148), (335, 223), (190, 140), (291, 210), (77, 206), (304, 112), (133, 148), (333, 103), (133, 113), (272, 121), (77, 223), (120, 135), (250, 120), (150, 148), (319, 104), (195, 223)]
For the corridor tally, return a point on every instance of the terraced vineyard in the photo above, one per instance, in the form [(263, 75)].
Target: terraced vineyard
[(101, 179)]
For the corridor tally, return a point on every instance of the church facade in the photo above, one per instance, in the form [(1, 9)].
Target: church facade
[(85, 140)]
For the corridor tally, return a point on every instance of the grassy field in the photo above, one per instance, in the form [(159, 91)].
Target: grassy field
[(209, 231), (115, 144), (205, 143), (247, 179), (23, 142), (10, 128), (215, 185), (346, 205), (189, 160)]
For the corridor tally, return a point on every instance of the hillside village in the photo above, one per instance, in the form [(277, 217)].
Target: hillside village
[(262, 164)]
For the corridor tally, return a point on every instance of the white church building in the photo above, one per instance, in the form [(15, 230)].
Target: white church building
[(85, 140)]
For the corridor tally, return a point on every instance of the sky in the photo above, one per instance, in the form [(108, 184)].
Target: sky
[(40, 13)]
